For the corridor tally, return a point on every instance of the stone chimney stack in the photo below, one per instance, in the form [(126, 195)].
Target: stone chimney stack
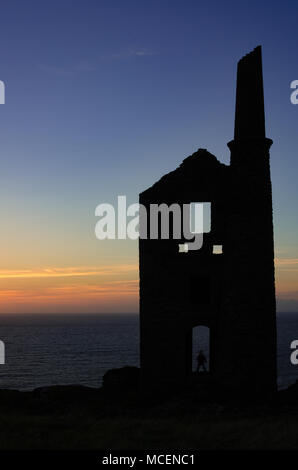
[(250, 116)]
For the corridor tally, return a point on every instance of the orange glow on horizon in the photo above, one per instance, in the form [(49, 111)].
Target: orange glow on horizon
[(98, 288), (105, 288)]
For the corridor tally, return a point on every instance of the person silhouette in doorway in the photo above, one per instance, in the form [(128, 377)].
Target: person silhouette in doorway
[(201, 360)]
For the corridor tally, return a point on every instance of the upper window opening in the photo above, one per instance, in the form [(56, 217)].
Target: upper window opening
[(217, 249), (200, 217), (183, 248)]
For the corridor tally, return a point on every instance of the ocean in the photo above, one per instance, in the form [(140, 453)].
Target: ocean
[(43, 350)]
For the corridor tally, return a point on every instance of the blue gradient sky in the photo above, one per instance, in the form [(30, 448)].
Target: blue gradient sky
[(102, 98)]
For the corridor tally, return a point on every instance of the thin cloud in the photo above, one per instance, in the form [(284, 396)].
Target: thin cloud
[(68, 271), (287, 261), (286, 264), (69, 71), (130, 53)]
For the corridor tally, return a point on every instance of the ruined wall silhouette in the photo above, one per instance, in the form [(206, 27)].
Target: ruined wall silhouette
[(232, 293)]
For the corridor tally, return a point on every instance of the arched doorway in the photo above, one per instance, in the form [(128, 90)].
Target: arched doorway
[(200, 342)]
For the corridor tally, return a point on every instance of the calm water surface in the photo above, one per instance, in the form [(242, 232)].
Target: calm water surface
[(50, 350)]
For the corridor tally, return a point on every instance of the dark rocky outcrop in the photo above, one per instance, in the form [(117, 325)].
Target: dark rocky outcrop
[(119, 380)]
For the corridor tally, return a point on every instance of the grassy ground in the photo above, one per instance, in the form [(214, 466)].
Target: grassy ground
[(65, 419), (27, 432)]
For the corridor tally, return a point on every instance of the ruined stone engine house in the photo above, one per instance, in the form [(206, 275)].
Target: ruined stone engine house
[(231, 293)]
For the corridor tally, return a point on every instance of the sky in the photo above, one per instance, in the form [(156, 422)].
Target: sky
[(102, 99)]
